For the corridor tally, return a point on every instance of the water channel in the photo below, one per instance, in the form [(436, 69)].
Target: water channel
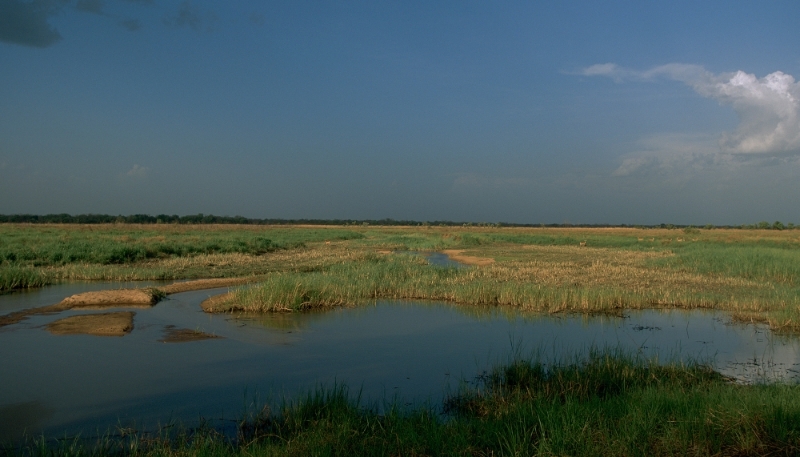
[(411, 351)]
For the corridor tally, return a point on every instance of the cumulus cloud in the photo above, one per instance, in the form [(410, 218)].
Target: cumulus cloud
[(768, 107), (25, 23)]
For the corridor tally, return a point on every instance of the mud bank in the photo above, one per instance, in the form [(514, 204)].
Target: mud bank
[(123, 298), (185, 335), (202, 284), (102, 324), (216, 303)]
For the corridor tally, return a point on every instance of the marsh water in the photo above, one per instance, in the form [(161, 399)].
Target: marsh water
[(411, 352)]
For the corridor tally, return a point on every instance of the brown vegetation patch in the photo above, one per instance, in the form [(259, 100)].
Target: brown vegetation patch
[(110, 299), (103, 324), (456, 254), (184, 335), (575, 266)]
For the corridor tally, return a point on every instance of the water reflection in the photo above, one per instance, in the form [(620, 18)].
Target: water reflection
[(412, 350), (435, 258)]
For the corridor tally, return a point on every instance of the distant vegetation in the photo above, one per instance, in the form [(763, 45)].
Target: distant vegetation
[(211, 219)]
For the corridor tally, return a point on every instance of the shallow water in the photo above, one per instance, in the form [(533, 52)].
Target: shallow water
[(410, 351)]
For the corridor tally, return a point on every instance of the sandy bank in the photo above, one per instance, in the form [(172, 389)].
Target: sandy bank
[(456, 254), (111, 299), (124, 298), (103, 324)]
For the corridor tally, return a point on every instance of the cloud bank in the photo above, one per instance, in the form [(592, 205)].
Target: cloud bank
[(25, 23), (768, 107)]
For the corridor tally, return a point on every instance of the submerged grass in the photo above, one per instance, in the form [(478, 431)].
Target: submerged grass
[(605, 404)]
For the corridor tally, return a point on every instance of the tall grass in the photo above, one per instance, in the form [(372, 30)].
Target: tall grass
[(607, 404), (406, 277), (780, 265), (22, 277)]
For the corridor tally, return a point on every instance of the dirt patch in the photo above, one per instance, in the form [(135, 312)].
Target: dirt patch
[(456, 255), (184, 335), (201, 284), (383, 251), (103, 324), (111, 299), (215, 304)]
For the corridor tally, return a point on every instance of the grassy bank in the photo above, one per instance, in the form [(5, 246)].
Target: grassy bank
[(605, 405), (560, 279)]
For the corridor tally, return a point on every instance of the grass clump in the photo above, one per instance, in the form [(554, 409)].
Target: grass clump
[(22, 277), (606, 404)]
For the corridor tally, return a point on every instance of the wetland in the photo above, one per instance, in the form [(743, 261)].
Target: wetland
[(390, 324)]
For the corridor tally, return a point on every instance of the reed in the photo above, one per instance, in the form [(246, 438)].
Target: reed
[(609, 284)]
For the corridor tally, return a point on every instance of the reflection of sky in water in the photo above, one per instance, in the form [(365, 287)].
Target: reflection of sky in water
[(414, 351)]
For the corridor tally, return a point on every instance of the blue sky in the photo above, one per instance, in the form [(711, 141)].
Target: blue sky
[(580, 112)]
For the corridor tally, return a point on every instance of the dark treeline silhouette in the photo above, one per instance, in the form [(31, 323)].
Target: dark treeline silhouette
[(211, 219)]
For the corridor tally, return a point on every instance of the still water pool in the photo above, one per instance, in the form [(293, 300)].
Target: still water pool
[(411, 351)]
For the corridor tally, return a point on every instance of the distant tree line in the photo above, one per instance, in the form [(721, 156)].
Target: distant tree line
[(212, 219)]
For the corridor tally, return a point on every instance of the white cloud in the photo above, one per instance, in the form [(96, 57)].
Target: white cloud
[(677, 153), (138, 172), (768, 107)]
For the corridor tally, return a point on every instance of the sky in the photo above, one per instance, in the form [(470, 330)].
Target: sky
[(582, 112)]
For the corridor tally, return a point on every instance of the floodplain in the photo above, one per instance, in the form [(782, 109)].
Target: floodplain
[(521, 298)]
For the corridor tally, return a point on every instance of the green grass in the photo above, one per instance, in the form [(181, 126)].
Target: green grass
[(605, 404), (33, 256), (22, 277), (766, 263), (109, 245)]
